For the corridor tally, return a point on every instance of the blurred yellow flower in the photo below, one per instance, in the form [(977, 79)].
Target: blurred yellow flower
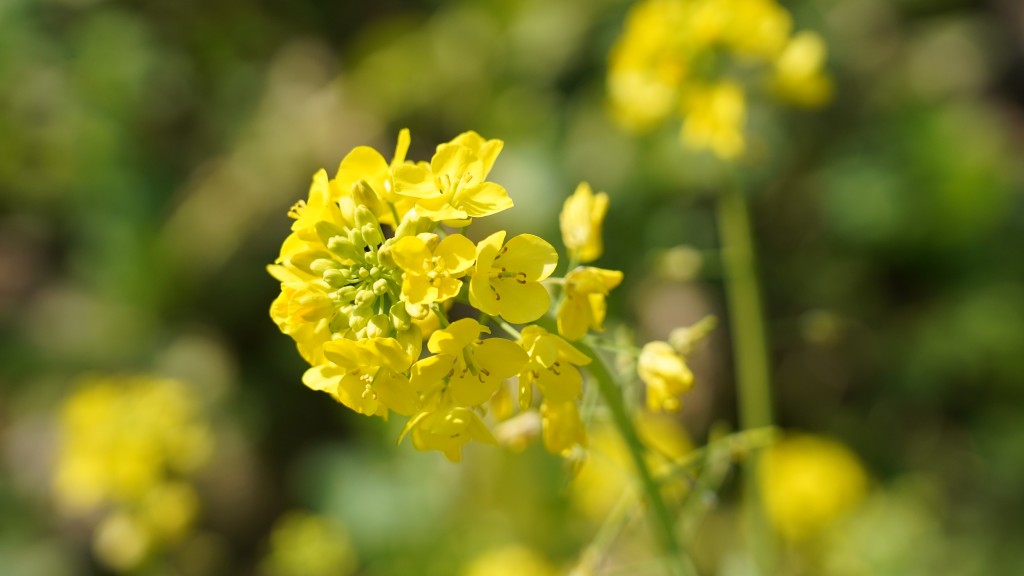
[(448, 431), (715, 116), (562, 427), (679, 55), (799, 75), (666, 375), (584, 306), (507, 279), (808, 483), (510, 560), (303, 544), (127, 446), (580, 220)]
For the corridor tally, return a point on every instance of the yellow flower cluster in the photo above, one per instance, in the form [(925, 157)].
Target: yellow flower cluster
[(377, 256), (684, 56), (127, 447)]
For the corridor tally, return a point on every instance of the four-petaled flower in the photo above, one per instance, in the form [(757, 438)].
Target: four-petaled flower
[(453, 188), (507, 279), (432, 269), (368, 376), (552, 367), (466, 370)]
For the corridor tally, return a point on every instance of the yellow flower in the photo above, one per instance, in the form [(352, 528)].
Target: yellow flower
[(584, 305), (510, 560), (581, 218), (552, 366), (808, 483), (453, 188), (432, 272), (368, 376), (757, 28), (365, 178), (303, 544), (121, 436), (506, 279), (126, 448), (798, 71), (468, 369), (562, 427), (318, 207), (715, 116), (447, 430), (666, 375), (646, 67)]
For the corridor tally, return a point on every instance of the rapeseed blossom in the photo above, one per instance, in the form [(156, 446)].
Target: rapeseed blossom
[(809, 483), (687, 57), (127, 449), (373, 265)]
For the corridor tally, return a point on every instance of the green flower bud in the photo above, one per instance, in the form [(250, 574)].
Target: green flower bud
[(322, 265), (345, 248), (400, 318), (338, 278), (378, 327), (380, 287), (365, 297)]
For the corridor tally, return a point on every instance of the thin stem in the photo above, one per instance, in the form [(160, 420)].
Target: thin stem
[(746, 321), (662, 521)]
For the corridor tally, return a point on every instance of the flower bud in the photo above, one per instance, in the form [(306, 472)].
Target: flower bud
[(365, 297), (344, 247), (380, 287), (400, 318), (378, 327)]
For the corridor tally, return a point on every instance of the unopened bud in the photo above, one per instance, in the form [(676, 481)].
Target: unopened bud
[(380, 286), (378, 327)]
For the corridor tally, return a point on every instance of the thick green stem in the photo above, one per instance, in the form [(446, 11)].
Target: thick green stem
[(746, 321), (661, 520)]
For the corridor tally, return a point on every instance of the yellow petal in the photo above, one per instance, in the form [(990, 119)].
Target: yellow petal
[(530, 255), (521, 303), (484, 199), (458, 252), (411, 254), (415, 181)]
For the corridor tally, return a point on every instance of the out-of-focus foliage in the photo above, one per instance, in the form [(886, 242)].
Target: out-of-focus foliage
[(149, 152)]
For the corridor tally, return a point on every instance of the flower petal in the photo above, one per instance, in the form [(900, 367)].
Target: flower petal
[(530, 255)]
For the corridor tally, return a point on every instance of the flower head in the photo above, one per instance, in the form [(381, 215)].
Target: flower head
[(466, 369), (453, 187), (581, 218), (666, 375), (506, 279), (552, 367), (432, 272), (368, 376), (584, 305), (448, 431)]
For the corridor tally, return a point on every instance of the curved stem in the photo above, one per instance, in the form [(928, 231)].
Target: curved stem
[(661, 520)]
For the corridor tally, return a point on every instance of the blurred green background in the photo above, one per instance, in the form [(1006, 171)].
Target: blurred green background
[(149, 150)]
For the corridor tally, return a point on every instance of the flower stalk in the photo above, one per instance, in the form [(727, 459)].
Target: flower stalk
[(661, 520), (746, 321)]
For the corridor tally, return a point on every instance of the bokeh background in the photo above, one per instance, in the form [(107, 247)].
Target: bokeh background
[(149, 150)]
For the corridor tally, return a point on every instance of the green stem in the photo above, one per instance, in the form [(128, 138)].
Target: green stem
[(662, 521), (746, 321)]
